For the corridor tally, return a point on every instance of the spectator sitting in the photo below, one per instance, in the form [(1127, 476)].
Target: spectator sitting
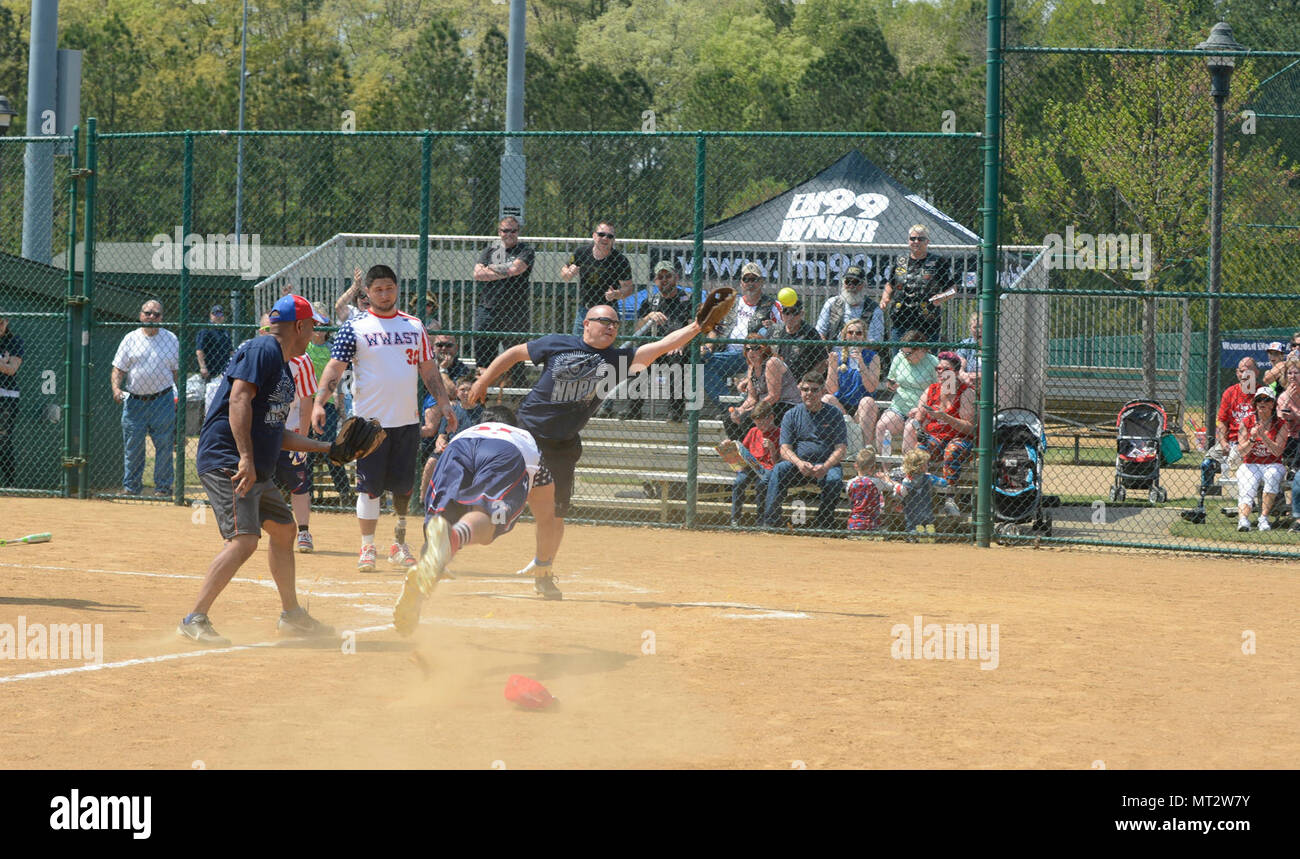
[(852, 376), (768, 381), (911, 372), (433, 431), (11, 358), (849, 305), (664, 311), (1262, 438), (447, 354), (969, 352), (1288, 409), (474, 414), (866, 504), (943, 422), (812, 445), (916, 491), (760, 451), (752, 311), (801, 358), (1275, 375), (429, 318), (1235, 404)]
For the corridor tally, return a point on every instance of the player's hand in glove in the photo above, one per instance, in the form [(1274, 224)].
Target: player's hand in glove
[(714, 308), (357, 437)]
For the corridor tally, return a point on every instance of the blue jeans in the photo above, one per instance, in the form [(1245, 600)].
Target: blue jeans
[(758, 475), (157, 419), (786, 475), (718, 368)]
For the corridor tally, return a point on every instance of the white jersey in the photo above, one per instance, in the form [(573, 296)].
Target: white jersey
[(150, 362), (520, 438), (304, 385), (385, 353)]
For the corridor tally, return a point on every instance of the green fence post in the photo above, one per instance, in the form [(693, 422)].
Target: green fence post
[(69, 315), (88, 308), (426, 181), (989, 275), (697, 282), (187, 224)]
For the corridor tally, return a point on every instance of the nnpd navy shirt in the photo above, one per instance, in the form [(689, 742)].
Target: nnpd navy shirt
[(261, 362), (575, 378)]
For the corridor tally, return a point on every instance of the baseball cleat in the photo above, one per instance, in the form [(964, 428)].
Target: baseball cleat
[(406, 613), (199, 630), (305, 545), (366, 560), (298, 622), (545, 585), (435, 555), (400, 554)]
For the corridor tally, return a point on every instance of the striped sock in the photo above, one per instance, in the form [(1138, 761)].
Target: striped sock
[(460, 536)]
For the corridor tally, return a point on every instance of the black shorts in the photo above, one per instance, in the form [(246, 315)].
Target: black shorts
[(559, 459), (293, 477), (391, 468), (262, 503)]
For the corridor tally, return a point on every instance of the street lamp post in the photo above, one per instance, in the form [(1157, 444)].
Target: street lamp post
[(1220, 80)]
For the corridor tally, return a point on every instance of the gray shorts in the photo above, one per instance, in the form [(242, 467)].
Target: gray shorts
[(262, 503)]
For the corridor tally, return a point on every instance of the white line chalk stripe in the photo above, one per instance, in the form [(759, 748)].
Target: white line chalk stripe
[(167, 657)]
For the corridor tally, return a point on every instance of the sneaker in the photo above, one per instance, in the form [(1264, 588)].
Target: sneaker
[(545, 585), (950, 508), (406, 613), (435, 555), (1264, 525), (401, 554), (199, 630), (366, 560), (305, 544), (1243, 524), (298, 622), (162, 493), (1295, 526)]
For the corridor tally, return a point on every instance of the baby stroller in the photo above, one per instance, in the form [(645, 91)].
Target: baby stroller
[(1019, 445), (1139, 428)]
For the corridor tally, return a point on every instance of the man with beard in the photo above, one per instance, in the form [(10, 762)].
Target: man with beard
[(851, 304)]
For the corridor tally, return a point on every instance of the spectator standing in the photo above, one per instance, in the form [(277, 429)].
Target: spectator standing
[(866, 504), (503, 272), (603, 271), (813, 443), (354, 301), (916, 489), (11, 358), (212, 349), (919, 283), (1262, 436), (851, 304), (665, 309), (805, 357), (753, 311), (145, 369)]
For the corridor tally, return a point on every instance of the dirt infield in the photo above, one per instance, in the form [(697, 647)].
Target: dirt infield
[(670, 649)]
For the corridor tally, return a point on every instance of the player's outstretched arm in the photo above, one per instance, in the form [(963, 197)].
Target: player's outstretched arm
[(648, 353), (300, 442), (496, 370)]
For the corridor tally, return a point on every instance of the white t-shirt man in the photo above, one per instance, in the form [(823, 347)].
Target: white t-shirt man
[(385, 353), (150, 363)]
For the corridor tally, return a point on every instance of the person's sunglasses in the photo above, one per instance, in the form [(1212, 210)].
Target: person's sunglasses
[(504, 230), (151, 313), (791, 311), (604, 235), (752, 348), (852, 281), (607, 321), (749, 278), (917, 239), (443, 345)]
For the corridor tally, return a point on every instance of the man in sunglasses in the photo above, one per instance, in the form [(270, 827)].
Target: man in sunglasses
[(577, 374), (851, 304), (447, 355), (145, 368), (604, 274), (753, 311), (502, 272), (919, 284)]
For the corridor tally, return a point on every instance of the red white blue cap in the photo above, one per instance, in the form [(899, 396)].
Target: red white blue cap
[(291, 308)]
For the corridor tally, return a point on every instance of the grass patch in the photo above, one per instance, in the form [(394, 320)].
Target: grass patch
[(1223, 529)]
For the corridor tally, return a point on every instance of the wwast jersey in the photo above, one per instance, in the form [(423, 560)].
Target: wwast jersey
[(521, 439), (385, 353)]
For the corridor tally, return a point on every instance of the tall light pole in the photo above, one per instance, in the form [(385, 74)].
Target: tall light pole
[(1220, 81)]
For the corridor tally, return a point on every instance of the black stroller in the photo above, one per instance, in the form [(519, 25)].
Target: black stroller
[(1138, 430), (1019, 446)]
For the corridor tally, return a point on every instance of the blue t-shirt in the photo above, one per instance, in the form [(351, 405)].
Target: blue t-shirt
[(214, 343), (464, 417), (851, 390), (575, 378), (261, 362), (813, 435)]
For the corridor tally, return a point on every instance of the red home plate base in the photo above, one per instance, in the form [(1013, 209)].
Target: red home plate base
[(528, 693)]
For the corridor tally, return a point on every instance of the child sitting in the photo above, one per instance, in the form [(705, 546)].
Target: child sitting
[(759, 453), (916, 491), (865, 501)]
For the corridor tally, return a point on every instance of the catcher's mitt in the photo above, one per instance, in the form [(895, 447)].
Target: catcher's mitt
[(357, 437), (714, 308)]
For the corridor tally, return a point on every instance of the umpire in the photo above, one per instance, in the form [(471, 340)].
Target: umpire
[(238, 446)]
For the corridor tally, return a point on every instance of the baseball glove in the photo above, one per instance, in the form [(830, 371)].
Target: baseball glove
[(714, 308), (357, 437)]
